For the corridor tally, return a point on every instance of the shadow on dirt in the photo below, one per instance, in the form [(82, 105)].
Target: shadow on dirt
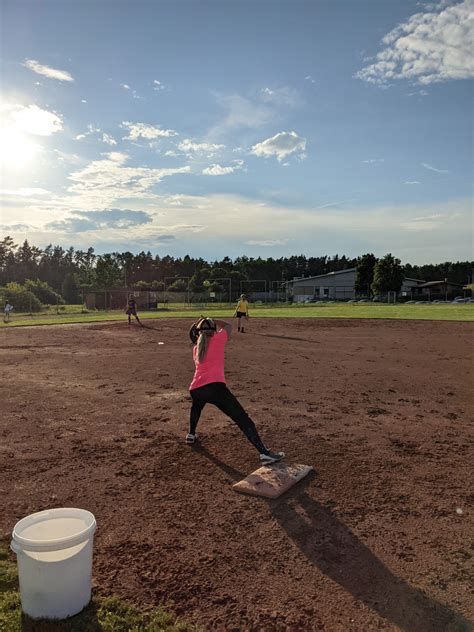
[(285, 337), (338, 553)]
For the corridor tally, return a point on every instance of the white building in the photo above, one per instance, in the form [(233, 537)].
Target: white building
[(338, 286)]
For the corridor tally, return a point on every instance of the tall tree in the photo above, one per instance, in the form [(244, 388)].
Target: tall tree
[(365, 274), (388, 275), (70, 288), (108, 272)]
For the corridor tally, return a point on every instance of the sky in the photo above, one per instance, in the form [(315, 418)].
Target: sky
[(239, 127)]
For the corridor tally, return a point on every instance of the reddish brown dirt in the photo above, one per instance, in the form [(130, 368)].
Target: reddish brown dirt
[(95, 417)]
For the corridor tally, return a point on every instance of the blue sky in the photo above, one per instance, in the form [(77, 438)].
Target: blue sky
[(229, 127)]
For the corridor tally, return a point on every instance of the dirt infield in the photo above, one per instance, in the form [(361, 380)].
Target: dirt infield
[(377, 538)]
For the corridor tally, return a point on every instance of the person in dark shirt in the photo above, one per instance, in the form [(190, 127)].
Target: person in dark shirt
[(132, 310)]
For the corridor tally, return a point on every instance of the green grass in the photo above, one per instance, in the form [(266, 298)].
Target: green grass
[(461, 312), (101, 615)]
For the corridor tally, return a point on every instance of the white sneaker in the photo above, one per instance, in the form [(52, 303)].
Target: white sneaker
[(272, 457), (192, 438)]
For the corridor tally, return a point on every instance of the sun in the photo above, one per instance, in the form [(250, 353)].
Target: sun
[(16, 149)]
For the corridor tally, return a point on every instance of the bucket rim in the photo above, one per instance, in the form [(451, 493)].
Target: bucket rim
[(20, 543)]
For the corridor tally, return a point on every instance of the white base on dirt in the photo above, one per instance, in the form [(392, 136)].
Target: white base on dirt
[(271, 481), (54, 555)]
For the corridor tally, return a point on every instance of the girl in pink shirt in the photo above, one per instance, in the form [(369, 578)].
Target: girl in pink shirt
[(208, 385)]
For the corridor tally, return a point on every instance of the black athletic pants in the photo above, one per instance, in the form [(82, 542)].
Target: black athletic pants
[(218, 394)]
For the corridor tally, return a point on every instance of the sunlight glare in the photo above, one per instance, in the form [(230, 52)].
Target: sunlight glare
[(16, 150)]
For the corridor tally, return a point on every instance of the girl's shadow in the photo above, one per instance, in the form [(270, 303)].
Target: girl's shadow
[(338, 553)]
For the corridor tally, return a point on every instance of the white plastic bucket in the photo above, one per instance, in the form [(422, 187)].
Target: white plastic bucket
[(54, 554)]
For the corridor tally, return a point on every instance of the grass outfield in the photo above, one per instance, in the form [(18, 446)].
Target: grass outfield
[(458, 312), (101, 615)]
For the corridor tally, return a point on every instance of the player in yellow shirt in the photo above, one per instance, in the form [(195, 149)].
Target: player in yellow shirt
[(242, 310)]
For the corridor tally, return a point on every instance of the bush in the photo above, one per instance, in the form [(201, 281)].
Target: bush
[(43, 292), (22, 300)]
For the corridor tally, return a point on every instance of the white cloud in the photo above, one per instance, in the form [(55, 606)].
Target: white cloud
[(241, 113), (46, 71), (281, 145), (267, 242), (412, 182), (17, 228), (109, 140), (102, 182), (83, 101), (157, 85), (228, 222), (142, 130), (186, 201), (281, 96), (419, 93), (310, 79), (24, 192), (31, 119), (430, 47), (18, 124), (67, 157), (371, 161), (330, 204), (436, 221), (85, 221), (191, 148), (217, 170), (91, 129), (430, 168), (125, 86)]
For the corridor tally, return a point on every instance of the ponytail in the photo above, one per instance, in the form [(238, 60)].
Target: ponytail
[(202, 343)]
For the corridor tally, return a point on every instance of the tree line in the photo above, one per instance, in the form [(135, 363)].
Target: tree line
[(54, 274)]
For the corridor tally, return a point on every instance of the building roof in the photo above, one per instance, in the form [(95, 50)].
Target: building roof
[(320, 276), (432, 283), (417, 280)]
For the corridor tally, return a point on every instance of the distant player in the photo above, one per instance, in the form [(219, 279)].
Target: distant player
[(242, 311), (209, 386), (6, 311), (132, 310)]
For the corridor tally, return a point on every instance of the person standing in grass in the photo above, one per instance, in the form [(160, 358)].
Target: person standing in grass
[(132, 310), (6, 311), (242, 311), (209, 386)]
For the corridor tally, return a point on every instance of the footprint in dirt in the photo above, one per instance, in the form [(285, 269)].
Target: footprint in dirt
[(374, 412)]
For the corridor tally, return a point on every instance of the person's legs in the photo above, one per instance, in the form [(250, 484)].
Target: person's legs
[(238, 323), (138, 320), (196, 410), (228, 403)]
